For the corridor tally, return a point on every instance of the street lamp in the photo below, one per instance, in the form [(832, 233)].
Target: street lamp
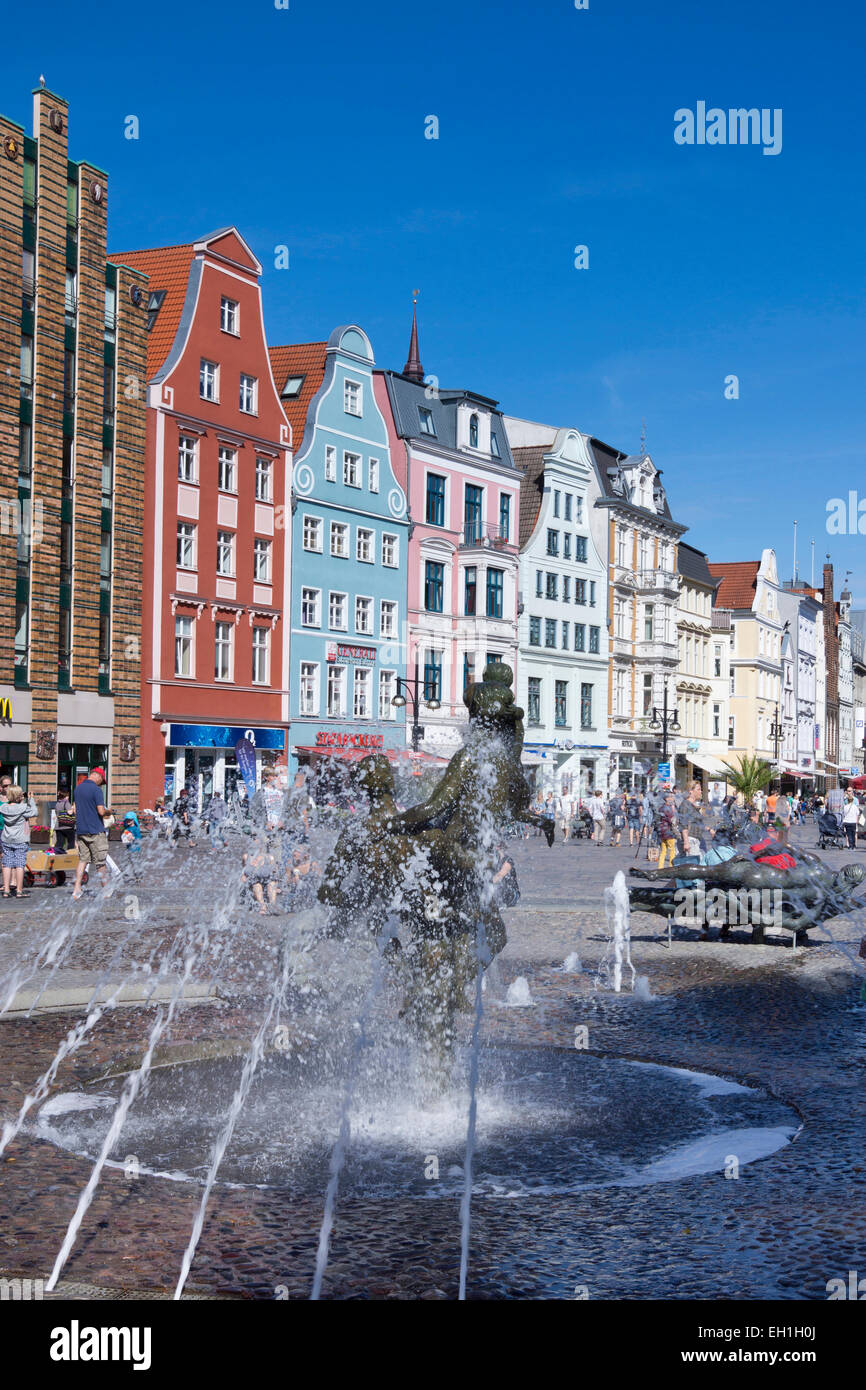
[(775, 735), (411, 688), (668, 723)]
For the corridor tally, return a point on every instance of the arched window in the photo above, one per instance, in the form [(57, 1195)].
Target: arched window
[(473, 431)]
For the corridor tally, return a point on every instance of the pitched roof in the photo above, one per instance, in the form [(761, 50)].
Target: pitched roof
[(298, 359), (168, 269), (739, 582), (407, 397), (530, 460), (608, 462), (692, 564)]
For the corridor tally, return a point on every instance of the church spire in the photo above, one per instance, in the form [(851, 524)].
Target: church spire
[(413, 368)]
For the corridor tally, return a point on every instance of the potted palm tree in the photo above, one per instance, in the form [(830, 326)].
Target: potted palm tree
[(750, 776)]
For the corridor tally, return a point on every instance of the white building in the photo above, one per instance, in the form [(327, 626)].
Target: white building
[(802, 614), (846, 686), (702, 674)]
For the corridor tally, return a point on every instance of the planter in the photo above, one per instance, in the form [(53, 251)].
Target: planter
[(39, 837)]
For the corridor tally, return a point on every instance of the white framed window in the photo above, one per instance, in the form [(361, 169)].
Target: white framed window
[(351, 469), (225, 553), (223, 638), (352, 397), (330, 463), (364, 615), (340, 539), (186, 545), (373, 475), (386, 694), (388, 618), (390, 550), (309, 687), (249, 394), (264, 477), (227, 469), (262, 560), (310, 602), (337, 611), (336, 692), (184, 657), (364, 545), (229, 315), (208, 380), (261, 654), (187, 458), (361, 701), (313, 533)]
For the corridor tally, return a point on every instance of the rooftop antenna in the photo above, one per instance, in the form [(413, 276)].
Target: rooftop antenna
[(643, 438), (812, 577), (795, 552)]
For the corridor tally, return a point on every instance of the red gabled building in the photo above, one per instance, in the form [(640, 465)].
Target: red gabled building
[(214, 650)]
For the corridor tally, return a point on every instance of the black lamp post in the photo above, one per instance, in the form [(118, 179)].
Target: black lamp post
[(775, 735), (668, 723), (411, 688)]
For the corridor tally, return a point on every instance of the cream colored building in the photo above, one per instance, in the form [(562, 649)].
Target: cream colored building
[(750, 589), (701, 685)]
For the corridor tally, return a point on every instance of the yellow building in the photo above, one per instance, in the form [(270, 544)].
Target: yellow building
[(750, 589)]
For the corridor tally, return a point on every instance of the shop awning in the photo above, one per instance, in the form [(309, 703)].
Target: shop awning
[(716, 769)]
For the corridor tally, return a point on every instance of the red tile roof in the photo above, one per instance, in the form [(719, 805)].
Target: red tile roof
[(530, 460), (168, 269), (298, 359), (739, 583)]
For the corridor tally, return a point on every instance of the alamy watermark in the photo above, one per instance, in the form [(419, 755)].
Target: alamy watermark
[(728, 907), (846, 517), (21, 519), (737, 126)]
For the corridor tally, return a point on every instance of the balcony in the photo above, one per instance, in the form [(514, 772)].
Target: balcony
[(483, 536), (657, 651), (720, 620), (658, 581)]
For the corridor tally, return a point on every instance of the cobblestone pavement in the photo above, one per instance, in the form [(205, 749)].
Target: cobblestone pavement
[(791, 1022)]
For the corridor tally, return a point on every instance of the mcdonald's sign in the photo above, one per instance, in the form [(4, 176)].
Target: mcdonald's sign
[(6, 709)]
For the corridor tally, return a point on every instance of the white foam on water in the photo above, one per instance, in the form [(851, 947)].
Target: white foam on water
[(571, 964), (711, 1152), (642, 990), (68, 1101), (518, 995), (709, 1084)]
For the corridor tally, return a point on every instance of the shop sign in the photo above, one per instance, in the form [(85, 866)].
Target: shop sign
[(223, 736), (6, 710), (371, 741), (341, 651)]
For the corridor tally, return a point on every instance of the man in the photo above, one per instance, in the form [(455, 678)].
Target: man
[(182, 813), (90, 814), (216, 818), (783, 818), (596, 810), (5, 784), (667, 828), (692, 818), (299, 806)]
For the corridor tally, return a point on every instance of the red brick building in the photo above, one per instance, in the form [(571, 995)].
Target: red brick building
[(214, 658)]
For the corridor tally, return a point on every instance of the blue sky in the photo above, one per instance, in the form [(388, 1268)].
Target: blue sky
[(305, 127)]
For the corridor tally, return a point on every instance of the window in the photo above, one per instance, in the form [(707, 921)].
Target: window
[(550, 632), (352, 397), (388, 618), (435, 513), (717, 721), (183, 653), (580, 637), (535, 632), (473, 431), (580, 548), (566, 546), (330, 463), (312, 533), (292, 388), (648, 622), (249, 394), (310, 607), (222, 666), (364, 545), (566, 633), (389, 550), (504, 514), (373, 475), (647, 695), (186, 545), (71, 296), (434, 586), (621, 554), (566, 588), (734, 681), (567, 501), (730, 731), (468, 669), (494, 445), (208, 380), (556, 497), (351, 469), (432, 675), (229, 316), (261, 647), (386, 692), (594, 639), (472, 503), (717, 660), (340, 539), (227, 469), (553, 542), (187, 456), (262, 561), (560, 704), (264, 470), (578, 510), (26, 367), (539, 584), (425, 416), (470, 590), (533, 700), (337, 618), (309, 687), (592, 593), (362, 692), (552, 588), (495, 583), (336, 692), (225, 564), (364, 615), (586, 706)]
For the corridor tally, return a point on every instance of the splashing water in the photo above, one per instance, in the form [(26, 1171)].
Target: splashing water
[(518, 995), (616, 910)]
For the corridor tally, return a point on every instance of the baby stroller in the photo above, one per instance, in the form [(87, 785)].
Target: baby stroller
[(830, 832)]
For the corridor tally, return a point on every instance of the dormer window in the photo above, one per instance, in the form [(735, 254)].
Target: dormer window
[(473, 431), (494, 445), (292, 388), (426, 418)]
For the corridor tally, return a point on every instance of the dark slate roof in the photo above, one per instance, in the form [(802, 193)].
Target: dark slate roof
[(406, 396), (530, 460), (606, 459), (693, 565)]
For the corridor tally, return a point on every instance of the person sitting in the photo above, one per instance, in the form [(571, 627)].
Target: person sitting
[(302, 878), (259, 875)]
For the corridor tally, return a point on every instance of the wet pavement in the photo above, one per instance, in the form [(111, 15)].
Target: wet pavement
[(790, 1022)]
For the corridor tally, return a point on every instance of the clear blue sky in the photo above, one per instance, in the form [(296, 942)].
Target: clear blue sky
[(306, 127)]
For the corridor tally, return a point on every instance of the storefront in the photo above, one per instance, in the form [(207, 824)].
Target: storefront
[(75, 761), (565, 771), (202, 758), (15, 735)]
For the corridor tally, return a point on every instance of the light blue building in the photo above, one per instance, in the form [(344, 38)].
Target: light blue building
[(349, 564)]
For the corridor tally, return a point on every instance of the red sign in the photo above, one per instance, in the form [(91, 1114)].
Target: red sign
[(338, 651), (372, 741)]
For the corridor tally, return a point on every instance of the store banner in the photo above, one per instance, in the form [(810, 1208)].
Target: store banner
[(246, 756)]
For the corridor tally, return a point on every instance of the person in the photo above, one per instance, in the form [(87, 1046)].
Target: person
[(299, 807), (616, 813), (5, 784), (216, 817), (783, 818), (302, 877), (596, 810), (91, 813), (64, 824), (566, 816), (692, 819), (850, 817), (182, 818), (633, 815), (19, 812), (259, 874), (666, 827)]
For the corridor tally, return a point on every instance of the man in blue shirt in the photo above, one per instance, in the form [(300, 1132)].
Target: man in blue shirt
[(92, 837)]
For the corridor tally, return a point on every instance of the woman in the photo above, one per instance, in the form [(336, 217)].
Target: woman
[(850, 817), (634, 813), (566, 815), (19, 813)]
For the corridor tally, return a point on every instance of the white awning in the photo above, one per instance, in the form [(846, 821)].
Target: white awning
[(716, 769)]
